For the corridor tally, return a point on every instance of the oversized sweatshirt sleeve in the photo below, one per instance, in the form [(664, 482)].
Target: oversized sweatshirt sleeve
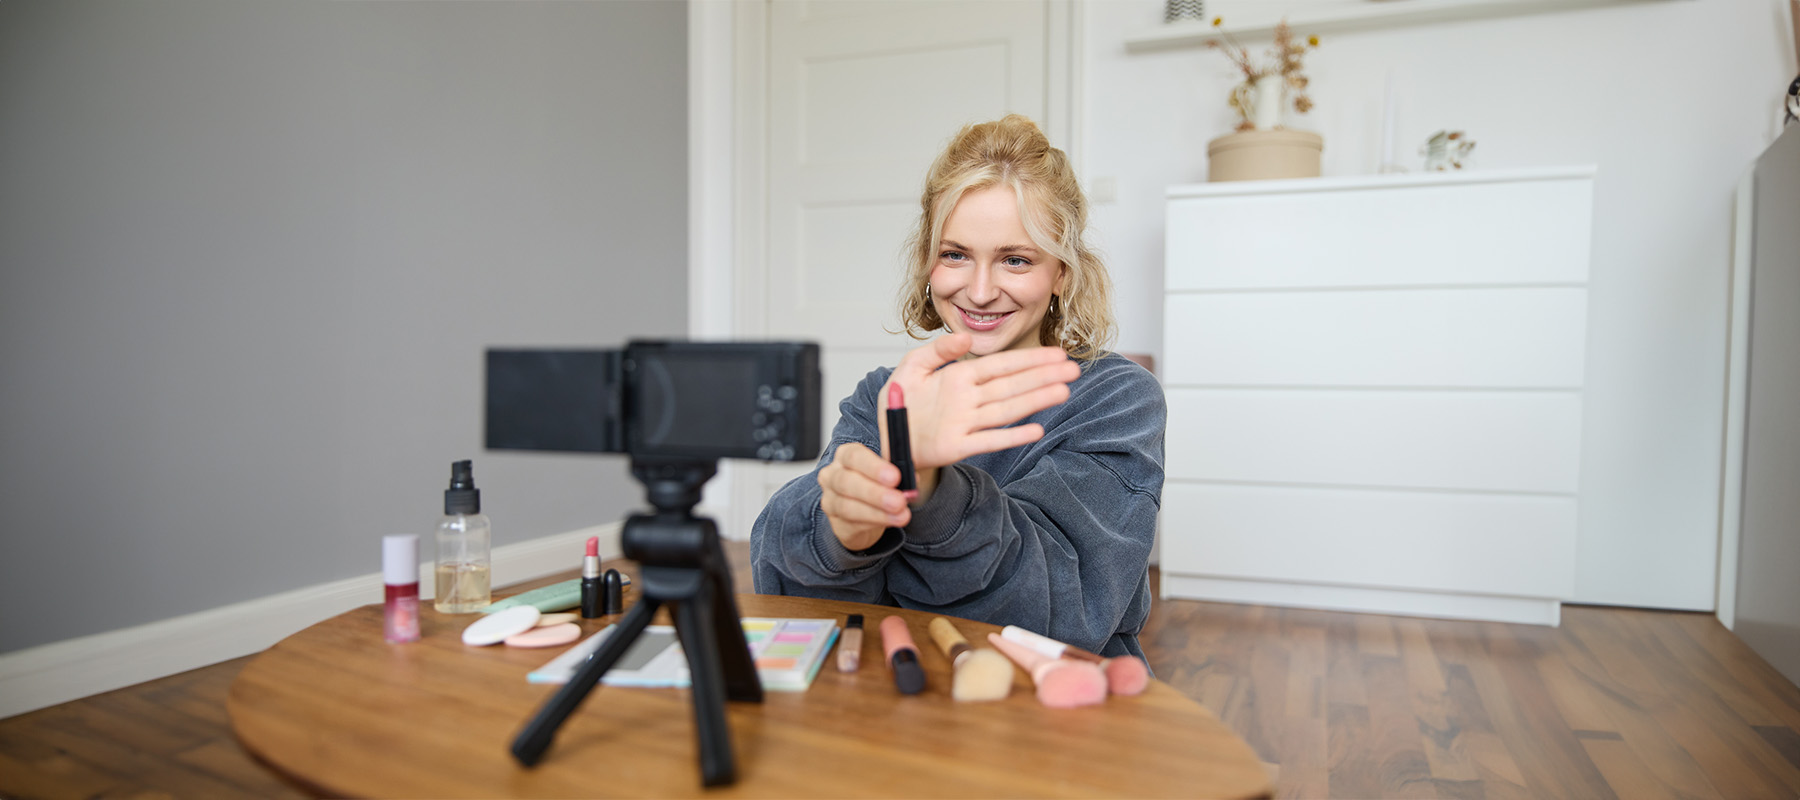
[(1060, 543), (792, 548)]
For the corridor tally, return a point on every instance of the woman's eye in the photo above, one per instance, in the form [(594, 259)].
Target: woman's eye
[(952, 255), (1017, 262)]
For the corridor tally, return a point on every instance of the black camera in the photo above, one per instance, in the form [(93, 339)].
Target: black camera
[(659, 400)]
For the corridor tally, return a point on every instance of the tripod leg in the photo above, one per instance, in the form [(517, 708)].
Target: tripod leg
[(741, 680), (534, 738), (697, 627)]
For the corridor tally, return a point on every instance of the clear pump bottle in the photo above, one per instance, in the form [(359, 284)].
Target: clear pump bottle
[(463, 539)]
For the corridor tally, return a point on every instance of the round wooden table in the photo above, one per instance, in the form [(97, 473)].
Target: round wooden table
[(340, 710)]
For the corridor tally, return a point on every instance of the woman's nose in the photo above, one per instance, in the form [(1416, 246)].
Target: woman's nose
[(982, 289)]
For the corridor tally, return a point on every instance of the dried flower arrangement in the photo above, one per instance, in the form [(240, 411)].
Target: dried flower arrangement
[(1284, 59)]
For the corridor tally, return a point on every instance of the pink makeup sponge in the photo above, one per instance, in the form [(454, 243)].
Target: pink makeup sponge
[(1126, 675), (1061, 683)]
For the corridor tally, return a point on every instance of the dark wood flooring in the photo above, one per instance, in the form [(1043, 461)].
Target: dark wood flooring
[(1615, 703)]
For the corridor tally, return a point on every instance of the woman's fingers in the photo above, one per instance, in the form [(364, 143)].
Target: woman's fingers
[(921, 361), (1029, 380), (860, 460), (858, 487), (989, 441), (1013, 409), (1008, 362)]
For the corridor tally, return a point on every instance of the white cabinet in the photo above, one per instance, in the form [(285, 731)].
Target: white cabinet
[(1374, 392)]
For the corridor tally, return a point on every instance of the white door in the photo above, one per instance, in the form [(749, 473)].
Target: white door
[(860, 97)]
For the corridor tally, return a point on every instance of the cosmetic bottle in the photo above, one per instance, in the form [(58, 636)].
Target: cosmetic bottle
[(400, 574), (462, 546)]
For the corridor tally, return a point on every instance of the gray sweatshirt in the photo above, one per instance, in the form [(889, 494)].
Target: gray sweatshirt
[(1053, 536)]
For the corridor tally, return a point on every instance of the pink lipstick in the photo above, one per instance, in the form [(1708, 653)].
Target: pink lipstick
[(591, 587), (900, 442)]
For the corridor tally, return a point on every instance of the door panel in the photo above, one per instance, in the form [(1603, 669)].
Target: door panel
[(861, 96)]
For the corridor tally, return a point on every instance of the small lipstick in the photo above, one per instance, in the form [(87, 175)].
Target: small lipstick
[(590, 580), (850, 646), (900, 442), (902, 655)]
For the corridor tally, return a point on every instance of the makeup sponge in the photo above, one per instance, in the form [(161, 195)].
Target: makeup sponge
[(495, 627), (982, 675), (1126, 675), (1061, 682), (551, 636)]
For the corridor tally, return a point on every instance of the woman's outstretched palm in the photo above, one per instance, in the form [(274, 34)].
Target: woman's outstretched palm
[(962, 409)]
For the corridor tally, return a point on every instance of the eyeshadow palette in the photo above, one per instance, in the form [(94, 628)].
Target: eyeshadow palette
[(787, 653)]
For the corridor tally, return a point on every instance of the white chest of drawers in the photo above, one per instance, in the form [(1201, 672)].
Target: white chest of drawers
[(1375, 392)]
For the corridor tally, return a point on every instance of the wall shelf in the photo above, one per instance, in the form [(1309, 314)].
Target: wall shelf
[(1256, 19)]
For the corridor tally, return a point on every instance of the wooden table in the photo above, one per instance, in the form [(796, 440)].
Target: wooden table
[(338, 709)]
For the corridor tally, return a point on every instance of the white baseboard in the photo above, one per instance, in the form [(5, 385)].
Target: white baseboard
[(74, 668), (1442, 605)]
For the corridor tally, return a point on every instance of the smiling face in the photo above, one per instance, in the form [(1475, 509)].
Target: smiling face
[(990, 279)]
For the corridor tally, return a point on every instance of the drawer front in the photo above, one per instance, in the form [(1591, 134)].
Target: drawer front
[(1455, 338), (1383, 236), (1468, 440), (1486, 544)]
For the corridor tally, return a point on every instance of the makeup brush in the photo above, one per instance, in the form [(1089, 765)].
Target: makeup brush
[(1061, 683), (1124, 675), (979, 674)]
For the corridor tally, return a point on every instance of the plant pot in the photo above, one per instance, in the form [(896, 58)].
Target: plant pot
[(1264, 155)]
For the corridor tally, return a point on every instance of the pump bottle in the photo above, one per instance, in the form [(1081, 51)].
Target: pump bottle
[(463, 538)]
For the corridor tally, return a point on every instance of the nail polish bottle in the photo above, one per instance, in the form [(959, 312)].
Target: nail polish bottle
[(463, 540), (400, 574)]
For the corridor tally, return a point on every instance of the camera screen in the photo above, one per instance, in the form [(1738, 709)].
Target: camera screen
[(689, 401), (681, 405)]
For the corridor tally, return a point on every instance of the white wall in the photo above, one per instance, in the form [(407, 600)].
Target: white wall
[(1672, 100)]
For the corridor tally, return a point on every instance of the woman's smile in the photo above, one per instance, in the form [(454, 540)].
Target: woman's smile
[(982, 322)]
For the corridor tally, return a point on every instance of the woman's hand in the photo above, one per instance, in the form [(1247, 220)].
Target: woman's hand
[(860, 498), (962, 409)]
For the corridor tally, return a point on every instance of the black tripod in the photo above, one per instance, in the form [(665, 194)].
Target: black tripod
[(683, 565)]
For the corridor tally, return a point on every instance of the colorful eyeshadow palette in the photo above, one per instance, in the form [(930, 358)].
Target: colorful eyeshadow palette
[(787, 653)]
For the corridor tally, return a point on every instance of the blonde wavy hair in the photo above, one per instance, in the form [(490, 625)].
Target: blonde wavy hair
[(1013, 152)]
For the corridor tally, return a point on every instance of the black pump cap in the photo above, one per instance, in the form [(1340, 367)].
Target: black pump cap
[(462, 497)]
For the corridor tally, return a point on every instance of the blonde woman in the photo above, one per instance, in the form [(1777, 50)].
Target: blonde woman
[(1038, 454)]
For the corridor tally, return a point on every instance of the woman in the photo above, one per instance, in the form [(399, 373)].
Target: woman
[(1046, 523)]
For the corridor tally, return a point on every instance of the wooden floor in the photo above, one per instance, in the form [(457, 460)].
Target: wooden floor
[(1615, 703)]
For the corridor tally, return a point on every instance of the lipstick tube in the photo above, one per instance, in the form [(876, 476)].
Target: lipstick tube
[(591, 589), (902, 656), (900, 442)]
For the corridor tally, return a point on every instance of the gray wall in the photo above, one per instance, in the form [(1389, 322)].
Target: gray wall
[(1768, 591), (250, 254)]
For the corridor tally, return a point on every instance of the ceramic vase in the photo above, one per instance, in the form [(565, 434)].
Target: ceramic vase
[(1267, 97)]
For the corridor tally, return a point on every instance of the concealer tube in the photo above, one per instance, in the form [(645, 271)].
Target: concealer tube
[(850, 644)]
